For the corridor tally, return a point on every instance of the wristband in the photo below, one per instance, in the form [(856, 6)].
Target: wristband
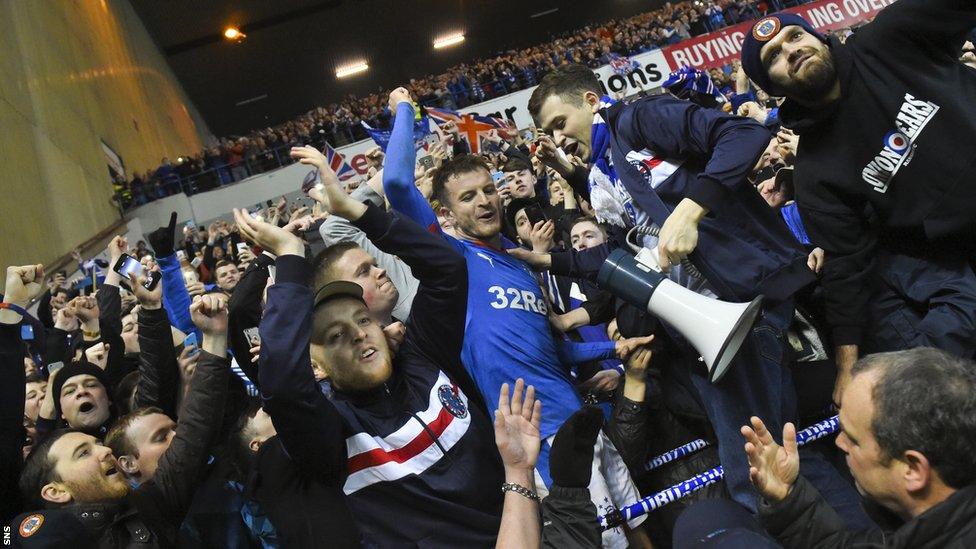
[(520, 490), (92, 335), (15, 308)]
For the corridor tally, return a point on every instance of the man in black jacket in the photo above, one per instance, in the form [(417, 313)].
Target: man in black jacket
[(139, 438), (414, 456), (84, 495), (671, 163), (908, 427), (22, 284), (878, 185)]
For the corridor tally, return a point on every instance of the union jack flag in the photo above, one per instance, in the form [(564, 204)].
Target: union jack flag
[(472, 128), (338, 164)]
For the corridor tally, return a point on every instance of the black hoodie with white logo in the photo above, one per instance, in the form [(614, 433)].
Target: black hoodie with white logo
[(891, 163)]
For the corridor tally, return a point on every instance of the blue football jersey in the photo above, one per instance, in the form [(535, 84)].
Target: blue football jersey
[(507, 333)]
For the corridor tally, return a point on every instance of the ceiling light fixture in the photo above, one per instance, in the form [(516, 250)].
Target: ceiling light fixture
[(448, 41), (349, 70), (233, 33)]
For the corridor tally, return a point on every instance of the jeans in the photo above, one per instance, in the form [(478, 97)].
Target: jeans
[(719, 523), (759, 384), (922, 303)]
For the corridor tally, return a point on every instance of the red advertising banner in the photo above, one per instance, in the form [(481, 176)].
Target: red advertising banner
[(721, 47)]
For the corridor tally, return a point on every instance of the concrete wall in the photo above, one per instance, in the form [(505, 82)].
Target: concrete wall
[(205, 207), (72, 74)]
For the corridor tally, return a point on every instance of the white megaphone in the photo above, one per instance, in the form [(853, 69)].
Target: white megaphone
[(715, 328)]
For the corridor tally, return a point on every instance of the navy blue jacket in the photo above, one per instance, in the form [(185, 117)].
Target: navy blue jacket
[(416, 458), (665, 149)]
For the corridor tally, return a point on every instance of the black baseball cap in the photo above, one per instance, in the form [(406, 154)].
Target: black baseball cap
[(338, 288)]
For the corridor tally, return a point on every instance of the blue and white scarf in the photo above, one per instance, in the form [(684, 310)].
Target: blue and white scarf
[(611, 202), (688, 79)]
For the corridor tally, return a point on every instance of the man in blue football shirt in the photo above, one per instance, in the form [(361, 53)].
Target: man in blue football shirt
[(507, 332)]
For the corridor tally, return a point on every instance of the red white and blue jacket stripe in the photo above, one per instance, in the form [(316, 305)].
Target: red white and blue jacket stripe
[(416, 457)]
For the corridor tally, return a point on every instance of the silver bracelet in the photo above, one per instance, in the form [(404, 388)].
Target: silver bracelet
[(520, 490)]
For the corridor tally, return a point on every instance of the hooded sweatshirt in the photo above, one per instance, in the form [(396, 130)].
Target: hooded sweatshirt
[(884, 166)]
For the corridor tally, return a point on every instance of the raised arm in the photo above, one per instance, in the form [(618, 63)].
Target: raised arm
[(244, 309), (159, 377), (517, 437), (183, 464), (176, 299), (22, 284), (109, 303), (398, 176), (213, 233), (627, 428), (308, 425), (939, 26), (337, 229), (44, 308), (436, 322), (109, 300)]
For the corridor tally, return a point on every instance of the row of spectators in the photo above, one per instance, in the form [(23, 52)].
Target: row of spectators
[(339, 123)]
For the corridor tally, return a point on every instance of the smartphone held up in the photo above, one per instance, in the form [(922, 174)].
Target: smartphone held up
[(535, 214), (127, 265)]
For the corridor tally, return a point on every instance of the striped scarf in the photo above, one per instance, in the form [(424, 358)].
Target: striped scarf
[(608, 197)]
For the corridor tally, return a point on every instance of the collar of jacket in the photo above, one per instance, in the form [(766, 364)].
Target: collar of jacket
[(943, 522), (799, 118), (97, 516), (373, 398), (98, 432), (610, 115)]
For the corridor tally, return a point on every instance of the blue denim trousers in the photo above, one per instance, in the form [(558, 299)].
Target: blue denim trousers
[(719, 523), (918, 302), (759, 384)]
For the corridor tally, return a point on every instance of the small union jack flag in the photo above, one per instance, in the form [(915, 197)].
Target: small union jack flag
[(472, 128), (338, 164)]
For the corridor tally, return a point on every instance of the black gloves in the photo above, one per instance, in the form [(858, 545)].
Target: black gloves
[(571, 456), (163, 238)]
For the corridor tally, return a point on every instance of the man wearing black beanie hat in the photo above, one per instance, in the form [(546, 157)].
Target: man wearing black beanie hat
[(877, 184), (78, 395)]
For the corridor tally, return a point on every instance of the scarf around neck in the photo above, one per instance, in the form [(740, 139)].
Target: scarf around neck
[(607, 196)]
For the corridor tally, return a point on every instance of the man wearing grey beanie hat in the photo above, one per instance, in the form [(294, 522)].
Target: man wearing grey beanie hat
[(882, 181)]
